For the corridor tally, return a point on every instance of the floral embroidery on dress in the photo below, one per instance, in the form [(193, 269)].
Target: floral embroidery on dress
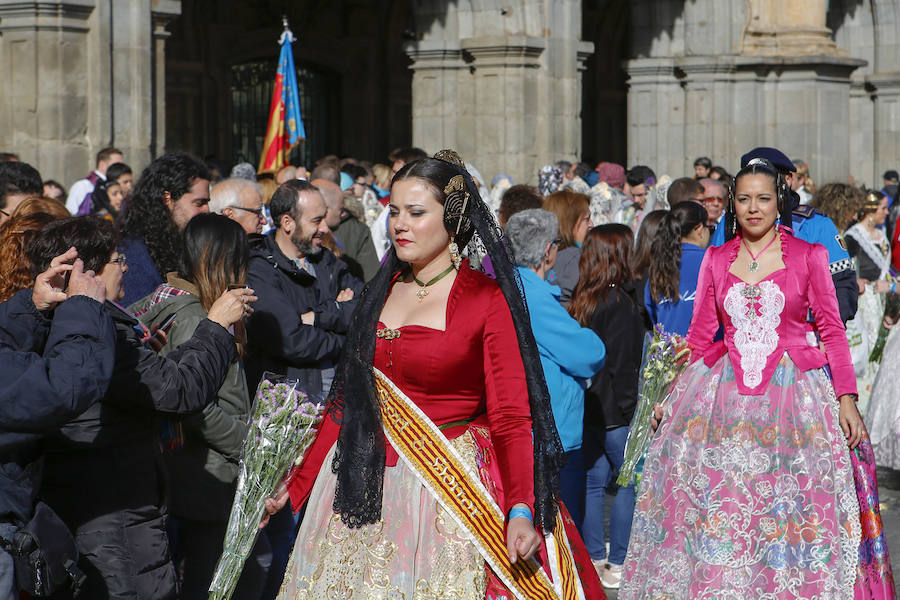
[(756, 335)]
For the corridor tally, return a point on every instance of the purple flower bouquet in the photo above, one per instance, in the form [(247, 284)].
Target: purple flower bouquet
[(666, 355), (282, 426)]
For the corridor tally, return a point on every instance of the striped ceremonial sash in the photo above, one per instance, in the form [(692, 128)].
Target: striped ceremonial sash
[(460, 492)]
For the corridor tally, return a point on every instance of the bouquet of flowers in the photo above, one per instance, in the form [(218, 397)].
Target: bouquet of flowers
[(891, 309), (666, 355), (283, 424)]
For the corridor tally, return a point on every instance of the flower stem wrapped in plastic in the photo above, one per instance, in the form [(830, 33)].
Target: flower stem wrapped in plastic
[(282, 426), (891, 310), (665, 356)]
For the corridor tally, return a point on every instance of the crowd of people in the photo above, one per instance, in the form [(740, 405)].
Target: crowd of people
[(504, 324)]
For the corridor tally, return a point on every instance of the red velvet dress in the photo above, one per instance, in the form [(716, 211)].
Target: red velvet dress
[(469, 376)]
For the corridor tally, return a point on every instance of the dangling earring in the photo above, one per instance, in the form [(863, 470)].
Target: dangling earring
[(455, 258), (733, 225)]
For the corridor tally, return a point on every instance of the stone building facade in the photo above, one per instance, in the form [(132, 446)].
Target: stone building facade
[(511, 84)]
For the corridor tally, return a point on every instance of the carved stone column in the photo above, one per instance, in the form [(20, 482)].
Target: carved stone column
[(795, 28), (44, 103), (81, 76), (500, 83), (163, 12)]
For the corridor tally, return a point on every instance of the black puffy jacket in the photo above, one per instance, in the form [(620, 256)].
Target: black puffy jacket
[(52, 370), (278, 341), (101, 471)]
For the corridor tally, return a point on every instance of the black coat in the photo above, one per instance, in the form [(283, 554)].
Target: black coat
[(101, 471), (52, 370), (612, 396), (278, 341)]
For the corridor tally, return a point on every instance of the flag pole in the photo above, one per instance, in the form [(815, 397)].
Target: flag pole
[(285, 127)]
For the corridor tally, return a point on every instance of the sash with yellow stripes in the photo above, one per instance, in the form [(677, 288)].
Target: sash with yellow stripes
[(458, 489)]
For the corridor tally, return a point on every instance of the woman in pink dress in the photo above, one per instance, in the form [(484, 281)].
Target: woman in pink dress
[(748, 487)]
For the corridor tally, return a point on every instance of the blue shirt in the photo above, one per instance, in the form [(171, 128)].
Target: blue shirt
[(675, 316), (570, 354)]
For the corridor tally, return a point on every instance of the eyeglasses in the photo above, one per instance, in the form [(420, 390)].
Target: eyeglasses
[(255, 211), (711, 198), (555, 242), (4, 213), (120, 260)]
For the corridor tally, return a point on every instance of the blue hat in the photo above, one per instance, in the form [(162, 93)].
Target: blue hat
[(346, 181), (773, 155)]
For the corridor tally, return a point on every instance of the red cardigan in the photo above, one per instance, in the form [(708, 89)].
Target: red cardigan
[(471, 370)]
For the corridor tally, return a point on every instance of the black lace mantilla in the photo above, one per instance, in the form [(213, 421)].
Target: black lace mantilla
[(360, 455)]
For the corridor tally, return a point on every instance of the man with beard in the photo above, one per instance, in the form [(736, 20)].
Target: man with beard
[(306, 297), (306, 294)]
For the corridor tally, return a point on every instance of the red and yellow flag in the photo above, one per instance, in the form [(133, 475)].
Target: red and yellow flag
[(285, 128)]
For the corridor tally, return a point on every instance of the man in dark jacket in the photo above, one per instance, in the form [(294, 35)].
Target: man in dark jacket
[(305, 293), (353, 236), (306, 298), (100, 469), (45, 384)]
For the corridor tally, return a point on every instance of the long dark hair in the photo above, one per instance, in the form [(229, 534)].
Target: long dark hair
[(148, 218), (665, 267), (605, 263), (360, 455), (100, 198), (216, 253), (640, 260), (758, 166)]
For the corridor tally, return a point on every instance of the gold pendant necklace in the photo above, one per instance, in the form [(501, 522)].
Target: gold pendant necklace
[(421, 293)]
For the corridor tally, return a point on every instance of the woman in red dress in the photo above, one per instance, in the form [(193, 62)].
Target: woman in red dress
[(454, 347)]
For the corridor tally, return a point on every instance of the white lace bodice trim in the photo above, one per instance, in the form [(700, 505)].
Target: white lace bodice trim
[(756, 335), (871, 248)]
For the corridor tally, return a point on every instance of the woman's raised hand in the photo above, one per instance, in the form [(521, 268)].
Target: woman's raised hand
[(232, 306), (522, 540)]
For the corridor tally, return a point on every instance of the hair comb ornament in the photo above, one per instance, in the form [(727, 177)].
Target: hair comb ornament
[(456, 205), (450, 156), (455, 217)]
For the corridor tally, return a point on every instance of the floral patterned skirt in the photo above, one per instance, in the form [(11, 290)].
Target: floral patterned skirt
[(746, 496), (416, 551)]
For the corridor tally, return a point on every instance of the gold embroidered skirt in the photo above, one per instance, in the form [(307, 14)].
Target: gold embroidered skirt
[(416, 551)]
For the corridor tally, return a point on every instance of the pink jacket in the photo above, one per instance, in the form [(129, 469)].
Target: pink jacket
[(763, 322)]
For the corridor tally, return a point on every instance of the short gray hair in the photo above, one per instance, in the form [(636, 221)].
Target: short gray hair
[(228, 193), (529, 233)]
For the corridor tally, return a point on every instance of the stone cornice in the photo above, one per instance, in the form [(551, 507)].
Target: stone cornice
[(46, 16), (162, 12), (505, 50), (435, 55), (884, 83), (689, 68)]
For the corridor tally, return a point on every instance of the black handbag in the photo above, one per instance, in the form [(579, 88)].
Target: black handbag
[(45, 555)]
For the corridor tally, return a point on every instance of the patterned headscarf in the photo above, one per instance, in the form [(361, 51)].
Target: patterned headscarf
[(549, 179)]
